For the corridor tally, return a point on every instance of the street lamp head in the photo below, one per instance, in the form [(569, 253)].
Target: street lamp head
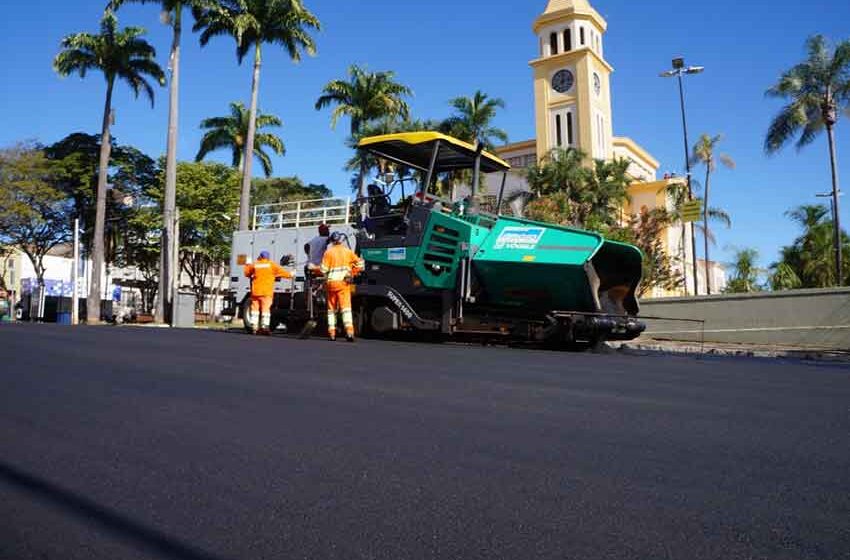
[(695, 70), (668, 74)]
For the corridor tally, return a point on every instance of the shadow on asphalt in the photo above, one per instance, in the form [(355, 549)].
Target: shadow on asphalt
[(112, 522)]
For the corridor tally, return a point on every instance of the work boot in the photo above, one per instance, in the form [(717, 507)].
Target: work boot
[(349, 337)]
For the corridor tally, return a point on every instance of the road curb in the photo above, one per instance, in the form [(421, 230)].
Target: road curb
[(693, 349)]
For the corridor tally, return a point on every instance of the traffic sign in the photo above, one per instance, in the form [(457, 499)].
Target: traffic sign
[(691, 211)]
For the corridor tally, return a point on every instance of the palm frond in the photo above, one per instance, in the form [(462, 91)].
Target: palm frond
[(264, 159)]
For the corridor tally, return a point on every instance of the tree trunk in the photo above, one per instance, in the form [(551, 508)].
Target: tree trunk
[(705, 225), (361, 181), (163, 309), (93, 301), (836, 219), (248, 161)]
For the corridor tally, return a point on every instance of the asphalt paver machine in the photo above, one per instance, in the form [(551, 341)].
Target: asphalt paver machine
[(447, 269)]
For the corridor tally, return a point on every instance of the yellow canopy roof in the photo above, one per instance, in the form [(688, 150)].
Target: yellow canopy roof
[(415, 149)]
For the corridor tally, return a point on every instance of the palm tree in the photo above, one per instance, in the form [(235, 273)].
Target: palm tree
[(363, 159), (784, 277), (119, 55), (365, 97), (819, 90), (473, 119), (231, 131), (472, 122), (810, 255), (253, 23), (172, 14), (704, 153), (745, 272)]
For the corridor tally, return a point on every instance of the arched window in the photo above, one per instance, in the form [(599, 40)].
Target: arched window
[(553, 44), (568, 40), (570, 129), (581, 35)]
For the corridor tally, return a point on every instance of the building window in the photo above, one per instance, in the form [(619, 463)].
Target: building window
[(558, 134), (581, 35), (553, 43), (570, 129), (600, 136), (568, 40)]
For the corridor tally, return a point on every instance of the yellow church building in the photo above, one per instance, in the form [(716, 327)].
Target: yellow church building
[(572, 99)]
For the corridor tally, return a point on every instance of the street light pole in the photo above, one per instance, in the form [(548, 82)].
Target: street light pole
[(678, 71)]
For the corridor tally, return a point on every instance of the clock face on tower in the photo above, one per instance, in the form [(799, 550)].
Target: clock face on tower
[(597, 83), (563, 81)]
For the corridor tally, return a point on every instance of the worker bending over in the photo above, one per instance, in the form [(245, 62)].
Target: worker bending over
[(340, 265), (263, 274)]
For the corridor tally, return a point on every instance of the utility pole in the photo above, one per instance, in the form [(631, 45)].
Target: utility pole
[(75, 276)]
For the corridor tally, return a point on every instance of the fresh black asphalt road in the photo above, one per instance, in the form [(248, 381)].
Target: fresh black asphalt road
[(120, 442)]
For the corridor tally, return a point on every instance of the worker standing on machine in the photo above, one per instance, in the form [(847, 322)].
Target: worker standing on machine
[(263, 274), (315, 249), (340, 265)]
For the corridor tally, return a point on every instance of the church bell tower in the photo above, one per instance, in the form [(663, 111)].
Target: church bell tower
[(572, 94)]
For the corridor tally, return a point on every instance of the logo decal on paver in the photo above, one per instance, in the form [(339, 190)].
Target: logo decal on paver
[(398, 254), (519, 237)]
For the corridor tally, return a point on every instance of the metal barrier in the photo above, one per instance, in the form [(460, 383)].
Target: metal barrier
[(331, 211)]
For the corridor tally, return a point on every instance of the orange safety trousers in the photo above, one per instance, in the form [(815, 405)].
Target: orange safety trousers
[(339, 300), (261, 310)]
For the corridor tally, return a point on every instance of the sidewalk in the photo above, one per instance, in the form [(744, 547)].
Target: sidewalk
[(645, 344)]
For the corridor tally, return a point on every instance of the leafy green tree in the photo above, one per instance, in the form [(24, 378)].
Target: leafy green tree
[(646, 230), (818, 90), (119, 55), (564, 191), (207, 197), (141, 248), (365, 97), (230, 132), (253, 23), (745, 273), (130, 174), (704, 153), (33, 213), (286, 189), (810, 256)]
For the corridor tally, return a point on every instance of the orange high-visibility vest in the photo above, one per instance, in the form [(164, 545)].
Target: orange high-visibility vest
[(263, 274), (339, 262)]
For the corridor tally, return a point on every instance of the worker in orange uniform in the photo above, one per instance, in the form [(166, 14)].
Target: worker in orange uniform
[(340, 265), (263, 274)]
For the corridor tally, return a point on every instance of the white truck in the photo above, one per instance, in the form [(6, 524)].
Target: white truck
[(283, 230)]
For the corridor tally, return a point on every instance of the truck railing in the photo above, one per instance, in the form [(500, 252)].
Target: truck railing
[(303, 213)]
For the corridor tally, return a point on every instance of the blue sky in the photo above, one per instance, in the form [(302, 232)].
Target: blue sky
[(443, 49)]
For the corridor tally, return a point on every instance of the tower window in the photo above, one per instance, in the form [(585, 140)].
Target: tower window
[(568, 40), (570, 129), (581, 35), (553, 43), (559, 140)]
